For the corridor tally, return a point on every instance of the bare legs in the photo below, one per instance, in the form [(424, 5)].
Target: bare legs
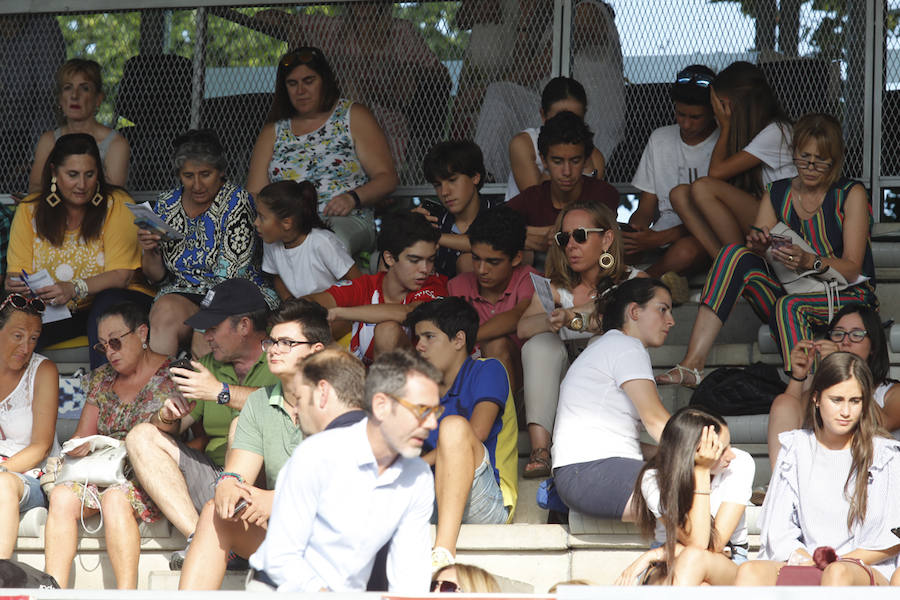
[(119, 525), (716, 213), (507, 352), (389, 335), (695, 566), (765, 572), (11, 490), (155, 456), (459, 453), (167, 323)]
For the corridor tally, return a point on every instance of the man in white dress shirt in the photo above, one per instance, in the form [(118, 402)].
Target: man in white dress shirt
[(347, 492)]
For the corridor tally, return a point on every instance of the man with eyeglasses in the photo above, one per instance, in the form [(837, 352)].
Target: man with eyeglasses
[(564, 143), (673, 158), (473, 451), (181, 478), (348, 491), (317, 389)]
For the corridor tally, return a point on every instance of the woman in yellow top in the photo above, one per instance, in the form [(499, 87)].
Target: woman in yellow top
[(78, 229)]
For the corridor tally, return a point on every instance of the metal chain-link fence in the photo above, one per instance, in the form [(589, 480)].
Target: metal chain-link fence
[(433, 70)]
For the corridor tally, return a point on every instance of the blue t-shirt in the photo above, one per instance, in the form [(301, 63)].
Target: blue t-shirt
[(482, 380)]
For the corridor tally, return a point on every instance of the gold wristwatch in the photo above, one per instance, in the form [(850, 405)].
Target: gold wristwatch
[(578, 322)]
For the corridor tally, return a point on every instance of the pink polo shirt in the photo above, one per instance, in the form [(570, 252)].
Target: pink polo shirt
[(465, 285)]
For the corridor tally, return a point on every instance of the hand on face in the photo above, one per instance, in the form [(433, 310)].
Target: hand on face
[(709, 450)]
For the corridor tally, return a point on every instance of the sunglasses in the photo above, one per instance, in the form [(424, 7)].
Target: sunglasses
[(301, 56), (20, 302), (114, 343), (445, 587), (579, 234), (699, 79), (856, 335), (283, 344), (421, 411), (822, 166)]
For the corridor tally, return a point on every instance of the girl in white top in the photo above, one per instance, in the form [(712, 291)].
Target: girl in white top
[(855, 328), (834, 484), (29, 388), (605, 398), (299, 249), (691, 497), (587, 254), (753, 149), (527, 168)]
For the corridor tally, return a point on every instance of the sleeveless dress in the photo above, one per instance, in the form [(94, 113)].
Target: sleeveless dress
[(17, 417)]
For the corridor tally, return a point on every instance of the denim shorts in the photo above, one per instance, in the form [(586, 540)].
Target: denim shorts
[(32, 496), (485, 503)]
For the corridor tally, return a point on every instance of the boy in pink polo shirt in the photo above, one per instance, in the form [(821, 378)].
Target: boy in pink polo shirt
[(500, 288)]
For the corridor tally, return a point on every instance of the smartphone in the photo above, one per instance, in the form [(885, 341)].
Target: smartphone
[(434, 208), (780, 241), (181, 363), (239, 507), (626, 227)]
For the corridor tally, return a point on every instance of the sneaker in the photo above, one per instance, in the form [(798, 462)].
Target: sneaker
[(236, 563), (440, 558), (176, 561), (679, 287)]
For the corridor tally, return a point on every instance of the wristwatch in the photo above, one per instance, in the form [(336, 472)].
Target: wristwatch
[(818, 265), (577, 323), (224, 396)]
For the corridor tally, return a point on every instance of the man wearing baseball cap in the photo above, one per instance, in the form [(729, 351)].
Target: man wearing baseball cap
[(180, 478)]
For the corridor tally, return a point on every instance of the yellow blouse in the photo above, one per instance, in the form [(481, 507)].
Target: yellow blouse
[(116, 248)]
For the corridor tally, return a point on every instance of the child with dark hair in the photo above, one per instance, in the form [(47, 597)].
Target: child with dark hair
[(299, 249), (565, 143), (456, 170), (674, 157), (500, 288), (374, 307), (473, 450)]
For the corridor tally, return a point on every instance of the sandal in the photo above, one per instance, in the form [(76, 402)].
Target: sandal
[(679, 375), (538, 464)]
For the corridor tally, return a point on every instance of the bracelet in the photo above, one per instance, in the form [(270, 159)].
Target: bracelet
[(164, 420), (355, 198), (702, 493), (227, 474), (800, 379), (81, 289)]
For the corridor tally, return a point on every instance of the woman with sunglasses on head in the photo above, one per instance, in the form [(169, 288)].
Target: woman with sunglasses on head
[(829, 212), (29, 389), (464, 579), (752, 151), (130, 389), (585, 260), (79, 230), (856, 328), (834, 485), (218, 241), (314, 134), (608, 394)]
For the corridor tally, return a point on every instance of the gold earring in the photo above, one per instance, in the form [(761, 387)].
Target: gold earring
[(607, 260), (53, 199), (98, 198)]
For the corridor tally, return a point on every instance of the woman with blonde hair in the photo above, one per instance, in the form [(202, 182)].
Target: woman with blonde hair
[(585, 261), (466, 579)]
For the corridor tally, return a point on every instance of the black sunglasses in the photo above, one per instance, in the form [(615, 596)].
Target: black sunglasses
[(579, 234), (693, 77), (20, 302), (445, 587), (301, 56)]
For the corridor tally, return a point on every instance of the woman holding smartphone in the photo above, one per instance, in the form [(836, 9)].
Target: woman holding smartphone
[(830, 213)]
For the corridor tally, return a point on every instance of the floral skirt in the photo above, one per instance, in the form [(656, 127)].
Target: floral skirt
[(140, 501)]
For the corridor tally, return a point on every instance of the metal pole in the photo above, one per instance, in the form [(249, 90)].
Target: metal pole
[(566, 12), (874, 78), (198, 80)]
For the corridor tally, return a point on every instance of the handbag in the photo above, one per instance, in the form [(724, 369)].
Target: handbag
[(799, 575), (828, 282), (103, 467)]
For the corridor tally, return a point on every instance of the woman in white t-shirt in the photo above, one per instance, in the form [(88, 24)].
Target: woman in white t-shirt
[(299, 249), (753, 149), (691, 498), (607, 395), (835, 484), (586, 257)]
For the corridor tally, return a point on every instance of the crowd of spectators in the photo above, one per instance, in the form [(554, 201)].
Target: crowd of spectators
[(311, 386)]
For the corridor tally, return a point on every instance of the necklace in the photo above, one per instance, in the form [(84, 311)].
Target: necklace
[(818, 200)]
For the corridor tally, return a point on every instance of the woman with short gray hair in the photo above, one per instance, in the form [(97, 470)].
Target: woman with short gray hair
[(218, 240)]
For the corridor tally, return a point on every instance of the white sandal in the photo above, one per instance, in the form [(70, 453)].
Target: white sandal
[(683, 373)]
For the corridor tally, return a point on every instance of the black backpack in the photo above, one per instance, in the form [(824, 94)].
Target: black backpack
[(731, 391)]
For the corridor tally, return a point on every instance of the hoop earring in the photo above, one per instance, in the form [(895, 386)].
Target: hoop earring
[(52, 198), (98, 198), (607, 260)]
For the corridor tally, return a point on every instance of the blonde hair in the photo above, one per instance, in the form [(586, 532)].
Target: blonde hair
[(77, 66), (826, 132), (472, 579), (553, 589), (558, 270)]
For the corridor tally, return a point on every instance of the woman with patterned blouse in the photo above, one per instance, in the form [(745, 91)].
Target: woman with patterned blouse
[(215, 219), (313, 134), (121, 394)]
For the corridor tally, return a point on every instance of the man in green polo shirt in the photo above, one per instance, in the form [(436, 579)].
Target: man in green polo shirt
[(319, 390), (178, 478)]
